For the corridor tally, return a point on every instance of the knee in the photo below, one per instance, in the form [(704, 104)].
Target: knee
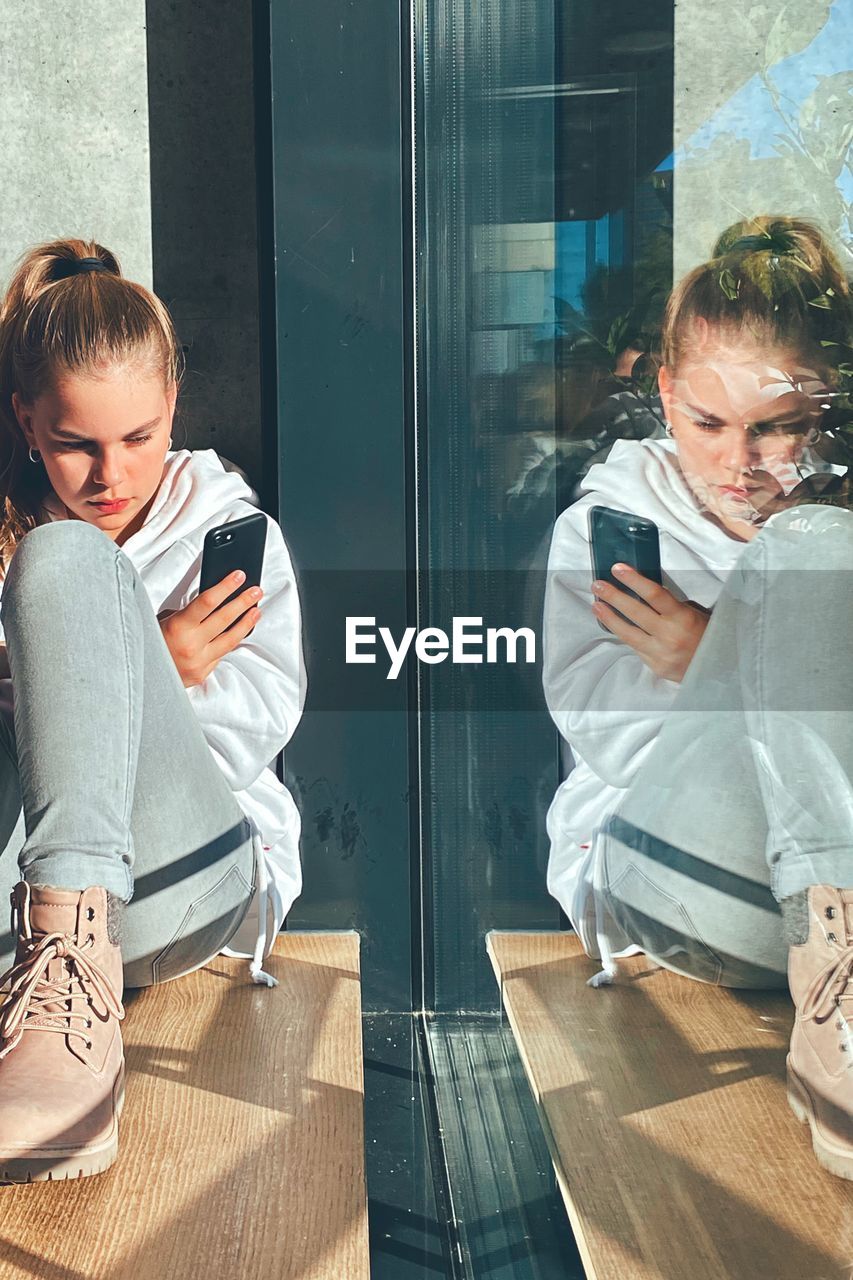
[(54, 555), (808, 536), (809, 517)]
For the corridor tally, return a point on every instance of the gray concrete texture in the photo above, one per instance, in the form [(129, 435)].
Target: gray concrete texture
[(74, 128), (720, 47)]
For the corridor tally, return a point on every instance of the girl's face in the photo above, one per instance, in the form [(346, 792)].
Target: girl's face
[(741, 420), (103, 441)]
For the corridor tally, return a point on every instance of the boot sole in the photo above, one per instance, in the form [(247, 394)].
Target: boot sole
[(42, 1165), (833, 1159)]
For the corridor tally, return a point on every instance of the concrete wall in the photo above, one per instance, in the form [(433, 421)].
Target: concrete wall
[(761, 113), (74, 128)]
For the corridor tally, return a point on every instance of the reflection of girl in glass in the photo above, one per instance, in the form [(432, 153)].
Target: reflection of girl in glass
[(711, 720), (141, 828)]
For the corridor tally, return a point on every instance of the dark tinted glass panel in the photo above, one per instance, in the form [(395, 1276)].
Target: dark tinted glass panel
[(545, 201)]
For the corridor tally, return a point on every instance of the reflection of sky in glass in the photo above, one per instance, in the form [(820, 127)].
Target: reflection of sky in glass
[(750, 113)]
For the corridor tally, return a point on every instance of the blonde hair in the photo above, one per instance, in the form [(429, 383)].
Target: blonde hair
[(775, 280), (57, 319)]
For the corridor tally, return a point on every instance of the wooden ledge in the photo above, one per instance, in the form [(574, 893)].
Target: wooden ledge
[(663, 1102), (242, 1143)]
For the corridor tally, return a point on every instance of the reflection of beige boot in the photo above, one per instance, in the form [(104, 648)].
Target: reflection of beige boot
[(61, 1056), (820, 1063)]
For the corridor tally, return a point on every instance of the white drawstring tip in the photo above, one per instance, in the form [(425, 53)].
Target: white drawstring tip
[(262, 978), (603, 979), (257, 973)]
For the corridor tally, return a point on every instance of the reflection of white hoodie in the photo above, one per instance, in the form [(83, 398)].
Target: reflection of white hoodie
[(605, 701), (250, 704)]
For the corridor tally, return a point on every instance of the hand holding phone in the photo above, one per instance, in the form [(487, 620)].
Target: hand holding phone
[(210, 626), (226, 609), (634, 606)]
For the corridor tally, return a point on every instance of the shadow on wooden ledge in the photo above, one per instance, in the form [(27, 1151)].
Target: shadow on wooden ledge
[(663, 1102)]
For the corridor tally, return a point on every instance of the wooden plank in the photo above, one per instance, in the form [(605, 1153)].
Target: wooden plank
[(242, 1145), (663, 1102)]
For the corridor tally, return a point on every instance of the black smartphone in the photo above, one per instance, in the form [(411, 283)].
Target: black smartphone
[(236, 545), (619, 537)]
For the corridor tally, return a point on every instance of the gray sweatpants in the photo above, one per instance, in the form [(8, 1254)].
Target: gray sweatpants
[(105, 775), (746, 797)]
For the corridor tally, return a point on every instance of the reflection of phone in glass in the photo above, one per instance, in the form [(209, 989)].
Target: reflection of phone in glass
[(618, 537), (236, 545)]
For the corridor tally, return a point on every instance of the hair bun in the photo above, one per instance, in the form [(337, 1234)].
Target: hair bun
[(772, 279)]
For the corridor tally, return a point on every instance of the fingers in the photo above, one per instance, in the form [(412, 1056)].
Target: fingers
[(221, 619), (202, 633), (208, 601), (665, 641), (231, 638), (619, 627), (638, 612), (661, 600)]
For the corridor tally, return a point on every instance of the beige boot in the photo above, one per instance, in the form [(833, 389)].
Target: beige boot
[(61, 1056), (820, 1063)]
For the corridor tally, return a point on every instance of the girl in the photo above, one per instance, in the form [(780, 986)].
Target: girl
[(140, 718), (710, 719)]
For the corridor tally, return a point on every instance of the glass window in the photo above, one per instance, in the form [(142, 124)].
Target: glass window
[(480, 209)]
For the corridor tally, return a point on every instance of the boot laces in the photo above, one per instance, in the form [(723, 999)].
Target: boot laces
[(830, 986), (30, 990)]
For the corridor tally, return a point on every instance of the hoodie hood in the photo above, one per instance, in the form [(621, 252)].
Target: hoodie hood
[(646, 471), (644, 477), (194, 492)]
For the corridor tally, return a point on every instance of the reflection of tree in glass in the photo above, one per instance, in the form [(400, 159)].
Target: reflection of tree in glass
[(622, 311), (790, 150), (816, 138)]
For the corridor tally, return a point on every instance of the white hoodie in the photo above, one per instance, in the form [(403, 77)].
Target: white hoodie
[(605, 701), (250, 704)]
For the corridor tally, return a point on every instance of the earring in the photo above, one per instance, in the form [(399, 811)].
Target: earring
[(813, 435), (667, 426), (170, 442), (33, 454)]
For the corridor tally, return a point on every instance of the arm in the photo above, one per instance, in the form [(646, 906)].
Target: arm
[(250, 704), (603, 698)]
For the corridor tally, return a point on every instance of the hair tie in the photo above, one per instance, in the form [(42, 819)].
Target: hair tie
[(67, 267), (771, 242)]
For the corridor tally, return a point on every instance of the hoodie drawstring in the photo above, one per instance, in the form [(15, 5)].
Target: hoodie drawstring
[(255, 964), (609, 965), (608, 971)]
